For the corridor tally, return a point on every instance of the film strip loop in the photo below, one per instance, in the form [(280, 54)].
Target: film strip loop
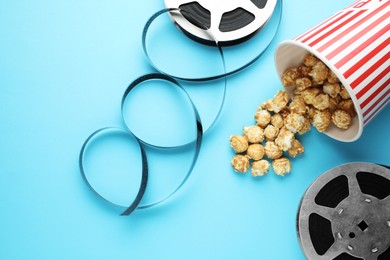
[(199, 131), (196, 144), (127, 210), (113, 130)]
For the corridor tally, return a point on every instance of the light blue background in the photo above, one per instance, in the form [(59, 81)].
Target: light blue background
[(63, 68)]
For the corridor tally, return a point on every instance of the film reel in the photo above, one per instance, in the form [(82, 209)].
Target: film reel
[(230, 21), (237, 57), (345, 214)]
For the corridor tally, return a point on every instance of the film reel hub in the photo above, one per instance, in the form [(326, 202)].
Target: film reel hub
[(229, 21), (345, 214), (361, 225)]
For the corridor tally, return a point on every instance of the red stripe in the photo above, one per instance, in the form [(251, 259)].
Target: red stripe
[(370, 71), (366, 120), (312, 29), (334, 30), (351, 28), (328, 25), (375, 94), (358, 35), (361, 47)]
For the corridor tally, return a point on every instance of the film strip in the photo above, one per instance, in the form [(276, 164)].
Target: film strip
[(177, 82), (345, 214)]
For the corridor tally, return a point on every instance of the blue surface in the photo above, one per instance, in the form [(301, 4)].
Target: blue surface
[(63, 68)]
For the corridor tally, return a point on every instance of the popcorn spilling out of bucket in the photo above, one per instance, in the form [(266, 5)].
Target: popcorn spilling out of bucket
[(355, 44)]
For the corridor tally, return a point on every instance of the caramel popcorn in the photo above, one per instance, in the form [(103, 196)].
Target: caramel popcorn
[(262, 117), (319, 73), (348, 106), (254, 133), (271, 132), (240, 163), (311, 111), (321, 101), (289, 77), (296, 149), (334, 103), (321, 120), (255, 151), (280, 101), (267, 105), (303, 83), (297, 91), (310, 60), (272, 151), (341, 119), (260, 168), (281, 166), (306, 126), (277, 120), (284, 139), (284, 113), (239, 143), (303, 71), (294, 122), (332, 89), (332, 78), (309, 95), (298, 105), (344, 93)]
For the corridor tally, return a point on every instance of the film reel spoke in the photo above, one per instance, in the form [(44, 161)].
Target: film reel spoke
[(215, 19), (325, 212), (335, 250), (353, 186)]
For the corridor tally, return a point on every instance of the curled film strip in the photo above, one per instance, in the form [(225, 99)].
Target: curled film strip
[(194, 143), (113, 131), (345, 214)]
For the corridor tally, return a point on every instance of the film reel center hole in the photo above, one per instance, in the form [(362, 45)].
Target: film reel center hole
[(362, 225)]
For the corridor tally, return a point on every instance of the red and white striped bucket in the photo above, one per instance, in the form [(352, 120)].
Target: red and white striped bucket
[(355, 44)]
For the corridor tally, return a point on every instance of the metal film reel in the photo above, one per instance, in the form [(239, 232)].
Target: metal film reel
[(229, 21), (345, 214)]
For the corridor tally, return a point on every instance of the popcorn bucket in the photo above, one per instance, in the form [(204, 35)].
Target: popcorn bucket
[(355, 44)]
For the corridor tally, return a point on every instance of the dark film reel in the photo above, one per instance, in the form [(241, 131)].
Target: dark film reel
[(345, 214), (230, 21)]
